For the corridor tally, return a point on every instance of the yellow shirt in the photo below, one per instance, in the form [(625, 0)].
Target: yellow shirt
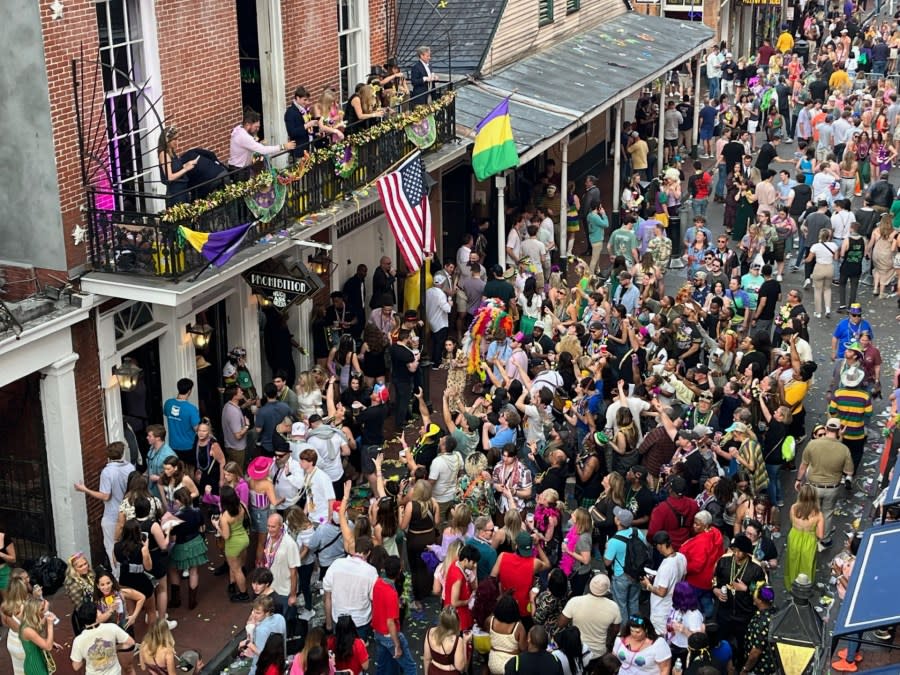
[(785, 42), (638, 151), (794, 393), (839, 80)]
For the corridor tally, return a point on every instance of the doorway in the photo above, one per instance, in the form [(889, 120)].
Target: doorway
[(25, 511), (456, 219), (142, 406), (248, 50), (210, 362)]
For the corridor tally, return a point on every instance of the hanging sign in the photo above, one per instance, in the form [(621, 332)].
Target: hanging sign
[(283, 290)]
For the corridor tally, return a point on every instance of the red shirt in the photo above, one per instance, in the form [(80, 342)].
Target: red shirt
[(666, 515), (454, 575), (702, 552), (385, 605), (516, 574), (357, 658)]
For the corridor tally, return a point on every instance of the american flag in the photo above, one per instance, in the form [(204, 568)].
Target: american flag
[(404, 198)]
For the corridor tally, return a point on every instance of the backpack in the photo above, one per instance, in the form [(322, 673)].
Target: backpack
[(679, 517), (637, 555)]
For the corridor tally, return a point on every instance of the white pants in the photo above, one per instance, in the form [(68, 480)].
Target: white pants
[(109, 540)]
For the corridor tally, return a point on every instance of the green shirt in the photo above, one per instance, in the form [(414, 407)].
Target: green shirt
[(623, 242), (895, 211)]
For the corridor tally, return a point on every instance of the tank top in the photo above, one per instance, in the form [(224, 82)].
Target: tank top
[(259, 500), (442, 663), (207, 466), (419, 523), (853, 259), (517, 573), (35, 663)]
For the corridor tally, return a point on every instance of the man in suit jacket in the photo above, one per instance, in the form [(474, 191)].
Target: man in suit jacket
[(298, 127), (421, 77), (355, 296), (383, 283)]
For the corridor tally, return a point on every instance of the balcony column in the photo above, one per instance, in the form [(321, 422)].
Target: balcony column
[(563, 199), (500, 183), (660, 149), (177, 355), (64, 460), (242, 310), (271, 68), (617, 160), (698, 103)]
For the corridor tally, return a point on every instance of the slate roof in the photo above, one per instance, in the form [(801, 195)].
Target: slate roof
[(582, 76), (465, 25)]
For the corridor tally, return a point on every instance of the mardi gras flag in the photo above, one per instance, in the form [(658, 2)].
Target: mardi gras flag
[(495, 149), (217, 247)]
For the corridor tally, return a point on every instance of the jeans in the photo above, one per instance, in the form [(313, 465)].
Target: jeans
[(722, 174), (854, 286), (385, 663), (801, 249), (698, 206), (626, 593), (827, 500), (304, 577), (837, 268), (707, 602), (774, 483), (714, 83), (878, 67)]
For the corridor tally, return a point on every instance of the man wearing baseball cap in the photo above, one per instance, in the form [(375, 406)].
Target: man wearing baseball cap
[(626, 590), (825, 462), (848, 330), (852, 405), (596, 615)]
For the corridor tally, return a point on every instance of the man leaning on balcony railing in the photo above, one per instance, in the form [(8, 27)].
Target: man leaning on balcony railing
[(244, 144)]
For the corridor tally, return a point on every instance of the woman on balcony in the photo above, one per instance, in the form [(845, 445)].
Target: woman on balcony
[(172, 170), (329, 119), (362, 108)]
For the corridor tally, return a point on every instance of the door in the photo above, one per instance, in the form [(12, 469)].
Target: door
[(248, 47), (456, 210), (142, 405)]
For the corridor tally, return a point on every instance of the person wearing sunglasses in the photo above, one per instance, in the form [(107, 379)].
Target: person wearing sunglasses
[(640, 650)]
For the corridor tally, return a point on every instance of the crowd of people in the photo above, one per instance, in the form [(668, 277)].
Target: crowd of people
[(599, 484)]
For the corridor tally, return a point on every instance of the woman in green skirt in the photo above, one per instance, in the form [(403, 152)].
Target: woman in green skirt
[(189, 551), (36, 634)]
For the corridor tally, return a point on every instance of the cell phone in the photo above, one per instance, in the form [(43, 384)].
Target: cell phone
[(144, 537)]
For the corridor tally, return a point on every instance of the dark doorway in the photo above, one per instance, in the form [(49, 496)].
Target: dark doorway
[(26, 516), (248, 50), (210, 361), (142, 405), (456, 213)]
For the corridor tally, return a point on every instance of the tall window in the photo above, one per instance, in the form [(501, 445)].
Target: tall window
[(353, 34), (122, 58), (545, 12)]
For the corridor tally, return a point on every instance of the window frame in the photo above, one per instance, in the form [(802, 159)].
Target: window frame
[(545, 13), (572, 6), (357, 39)]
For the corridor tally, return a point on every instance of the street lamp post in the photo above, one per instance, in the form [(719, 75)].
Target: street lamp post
[(796, 631)]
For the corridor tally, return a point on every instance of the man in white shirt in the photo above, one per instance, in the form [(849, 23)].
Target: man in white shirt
[(331, 445), (348, 589), (462, 255), (661, 586), (282, 558), (443, 474), (514, 243), (244, 144), (437, 311), (95, 648), (595, 615), (317, 487)]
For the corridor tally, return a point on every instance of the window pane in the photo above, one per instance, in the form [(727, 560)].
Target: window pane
[(102, 25), (117, 19)]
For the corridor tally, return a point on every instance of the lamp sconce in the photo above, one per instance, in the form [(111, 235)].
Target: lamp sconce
[(200, 335), (128, 374), (321, 264), (263, 300)]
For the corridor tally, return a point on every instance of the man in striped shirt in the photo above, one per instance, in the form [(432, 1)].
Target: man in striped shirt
[(852, 405)]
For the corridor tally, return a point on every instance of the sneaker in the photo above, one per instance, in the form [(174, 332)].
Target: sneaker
[(780, 503), (240, 597), (817, 315), (778, 278), (185, 574), (842, 309), (828, 314), (788, 140), (842, 654), (807, 282), (843, 667), (172, 624), (882, 634), (823, 545), (305, 614), (835, 282)]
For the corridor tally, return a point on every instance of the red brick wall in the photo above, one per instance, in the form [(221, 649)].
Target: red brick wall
[(201, 79), (89, 393), (63, 40)]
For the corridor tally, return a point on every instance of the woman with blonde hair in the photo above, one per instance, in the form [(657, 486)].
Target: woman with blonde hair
[(625, 442), (309, 395), (418, 523), (330, 119), (576, 555), (440, 572), (504, 539), (880, 251), (157, 652), (36, 635), (446, 651), (823, 253), (361, 109), (14, 599), (807, 529), (79, 582)]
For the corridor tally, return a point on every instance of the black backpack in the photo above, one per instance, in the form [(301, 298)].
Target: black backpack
[(637, 555)]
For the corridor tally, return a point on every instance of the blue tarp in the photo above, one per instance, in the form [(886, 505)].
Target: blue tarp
[(871, 600), (893, 492)]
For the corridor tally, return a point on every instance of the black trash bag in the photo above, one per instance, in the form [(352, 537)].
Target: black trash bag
[(48, 573)]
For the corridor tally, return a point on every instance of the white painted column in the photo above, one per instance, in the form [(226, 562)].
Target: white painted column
[(617, 157), (271, 68), (109, 358), (563, 197), (698, 103), (64, 459), (303, 334), (500, 182), (177, 356)]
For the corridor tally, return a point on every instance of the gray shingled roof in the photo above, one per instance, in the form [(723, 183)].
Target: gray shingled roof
[(581, 76), (466, 27)]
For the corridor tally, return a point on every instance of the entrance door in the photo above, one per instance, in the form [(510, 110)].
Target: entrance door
[(24, 482), (210, 362), (142, 405), (455, 209), (248, 47)]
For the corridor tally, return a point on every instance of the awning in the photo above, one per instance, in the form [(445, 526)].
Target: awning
[(892, 496), (558, 89), (871, 598)]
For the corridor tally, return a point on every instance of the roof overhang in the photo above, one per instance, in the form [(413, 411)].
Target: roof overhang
[(556, 91)]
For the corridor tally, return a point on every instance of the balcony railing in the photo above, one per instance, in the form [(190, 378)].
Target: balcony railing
[(137, 242)]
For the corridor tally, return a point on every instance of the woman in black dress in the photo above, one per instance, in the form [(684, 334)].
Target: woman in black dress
[(209, 460), (172, 169)]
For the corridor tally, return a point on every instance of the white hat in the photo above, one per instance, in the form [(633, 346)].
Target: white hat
[(299, 429), (852, 376)]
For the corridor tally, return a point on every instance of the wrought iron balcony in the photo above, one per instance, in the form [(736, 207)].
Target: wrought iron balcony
[(128, 235)]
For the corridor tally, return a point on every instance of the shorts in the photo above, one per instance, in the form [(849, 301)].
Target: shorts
[(670, 143), (258, 519), (706, 133), (369, 453), (752, 126)]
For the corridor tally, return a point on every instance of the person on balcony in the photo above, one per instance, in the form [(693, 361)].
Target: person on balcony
[(173, 170), (421, 77), (362, 108), (244, 144), (300, 122)]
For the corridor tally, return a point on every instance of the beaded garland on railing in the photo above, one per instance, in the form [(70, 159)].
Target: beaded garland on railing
[(336, 154)]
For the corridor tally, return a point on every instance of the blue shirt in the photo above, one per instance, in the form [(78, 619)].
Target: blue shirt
[(487, 560), (155, 459), (615, 549), (708, 116), (267, 418), (271, 624), (182, 417), (503, 436), (846, 331)]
